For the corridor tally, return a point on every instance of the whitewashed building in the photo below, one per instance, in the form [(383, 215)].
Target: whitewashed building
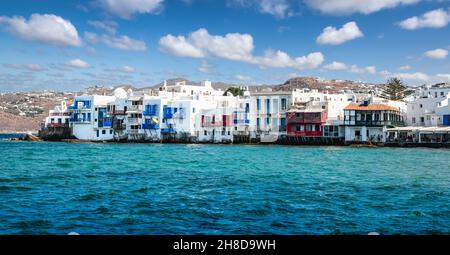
[(429, 106), (89, 118)]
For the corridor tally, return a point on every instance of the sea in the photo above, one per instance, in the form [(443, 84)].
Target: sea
[(146, 189)]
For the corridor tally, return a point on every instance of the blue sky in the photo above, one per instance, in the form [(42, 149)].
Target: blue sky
[(68, 45)]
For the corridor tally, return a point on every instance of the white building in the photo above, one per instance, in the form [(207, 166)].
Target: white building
[(58, 117), (89, 118), (429, 106), (366, 122)]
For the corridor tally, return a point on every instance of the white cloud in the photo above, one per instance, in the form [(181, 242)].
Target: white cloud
[(179, 46), (280, 59), (443, 77), (126, 8), (405, 68), (437, 53), (120, 42), (433, 19), (335, 66), (108, 26), (45, 28), (418, 76), (331, 35), (27, 67), (346, 7), (77, 63), (363, 70), (278, 8), (200, 43), (242, 77), (233, 46)]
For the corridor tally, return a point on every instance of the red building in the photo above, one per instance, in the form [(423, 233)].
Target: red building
[(306, 121)]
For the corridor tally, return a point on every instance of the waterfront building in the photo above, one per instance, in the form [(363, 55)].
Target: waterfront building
[(228, 119), (117, 110), (306, 119), (58, 117), (429, 106), (89, 118), (269, 115), (57, 124), (368, 122)]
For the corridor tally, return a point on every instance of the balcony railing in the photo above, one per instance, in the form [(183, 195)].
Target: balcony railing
[(117, 112), (379, 123), (58, 125), (133, 131), (150, 126), (134, 120), (80, 121), (168, 131), (245, 121), (136, 108), (58, 114)]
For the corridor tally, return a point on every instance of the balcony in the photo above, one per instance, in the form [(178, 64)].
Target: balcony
[(241, 121), (136, 108), (81, 105), (80, 121), (151, 110), (168, 131), (58, 125), (213, 124), (150, 126), (168, 112), (378, 123), (133, 131), (59, 114), (134, 121), (117, 112)]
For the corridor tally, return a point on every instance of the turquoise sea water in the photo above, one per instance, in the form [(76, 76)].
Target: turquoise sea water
[(57, 188)]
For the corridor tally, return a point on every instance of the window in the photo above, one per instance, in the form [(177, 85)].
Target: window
[(98, 132), (103, 132), (422, 119), (205, 132), (193, 109), (267, 121), (258, 122), (110, 132), (268, 105), (421, 105), (283, 104), (258, 104)]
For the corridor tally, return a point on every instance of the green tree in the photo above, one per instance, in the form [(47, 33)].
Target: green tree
[(395, 90), (235, 91)]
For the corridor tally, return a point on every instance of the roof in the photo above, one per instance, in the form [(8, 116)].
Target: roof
[(370, 107)]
